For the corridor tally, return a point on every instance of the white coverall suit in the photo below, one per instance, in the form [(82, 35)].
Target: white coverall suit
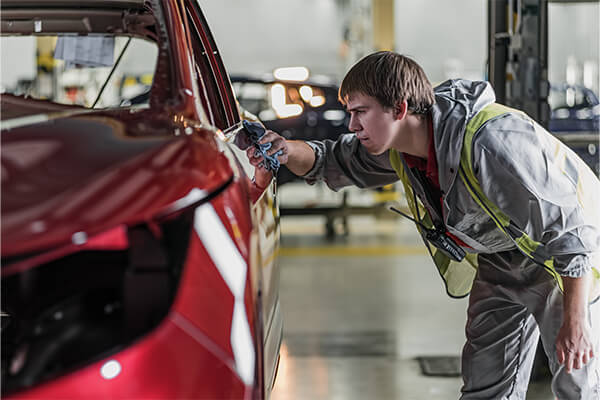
[(543, 187)]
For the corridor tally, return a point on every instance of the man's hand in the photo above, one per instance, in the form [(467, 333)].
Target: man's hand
[(298, 156), (262, 177), (277, 143), (573, 345)]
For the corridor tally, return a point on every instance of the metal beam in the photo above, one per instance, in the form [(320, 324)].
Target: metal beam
[(383, 24), (518, 55)]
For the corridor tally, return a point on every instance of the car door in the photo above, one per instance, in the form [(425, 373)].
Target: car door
[(223, 113)]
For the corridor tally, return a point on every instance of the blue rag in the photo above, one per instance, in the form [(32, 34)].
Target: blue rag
[(255, 132)]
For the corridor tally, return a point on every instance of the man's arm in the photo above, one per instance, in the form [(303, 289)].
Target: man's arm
[(301, 157), (296, 155), (520, 170), (338, 163), (573, 346)]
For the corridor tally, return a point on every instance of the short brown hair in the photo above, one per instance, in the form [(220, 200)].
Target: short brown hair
[(390, 78)]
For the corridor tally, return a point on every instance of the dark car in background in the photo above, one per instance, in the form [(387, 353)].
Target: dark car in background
[(575, 119), (305, 108), (300, 107), (138, 260)]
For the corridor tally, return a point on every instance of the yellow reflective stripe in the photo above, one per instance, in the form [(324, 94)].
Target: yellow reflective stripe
[(488, 112), (397, 165), (524, 242), (529, 246), (550, 269), (457, 278), (396, 162), (466, 161), (476, 192), (580, 194)]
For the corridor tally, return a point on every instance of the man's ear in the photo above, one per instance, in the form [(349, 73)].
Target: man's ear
[(400, 110)]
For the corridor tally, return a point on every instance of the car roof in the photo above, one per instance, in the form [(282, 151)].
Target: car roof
[(72, 3)]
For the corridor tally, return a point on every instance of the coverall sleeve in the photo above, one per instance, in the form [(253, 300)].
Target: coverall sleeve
[(345, 162), (542, 186)]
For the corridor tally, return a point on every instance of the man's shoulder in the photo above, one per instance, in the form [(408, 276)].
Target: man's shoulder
[(511, 137)]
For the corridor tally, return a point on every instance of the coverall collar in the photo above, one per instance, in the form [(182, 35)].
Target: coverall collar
[(456, 102)]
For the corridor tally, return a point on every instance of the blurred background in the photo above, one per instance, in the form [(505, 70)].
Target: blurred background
[(447, 38), (362, 302), (362, 305)]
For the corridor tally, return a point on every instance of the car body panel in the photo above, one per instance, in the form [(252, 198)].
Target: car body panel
[(171, 362), (43, 197), (83, 183), (265, 262)]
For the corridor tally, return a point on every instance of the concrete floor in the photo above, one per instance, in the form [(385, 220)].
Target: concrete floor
[(358, 310)]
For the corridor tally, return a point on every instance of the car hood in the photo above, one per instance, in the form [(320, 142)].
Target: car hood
[(79, 173)]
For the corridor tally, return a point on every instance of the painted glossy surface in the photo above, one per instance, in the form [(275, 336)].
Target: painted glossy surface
[(172, 362), (189, 355), (265, 264), (90, 173), (100, 172)]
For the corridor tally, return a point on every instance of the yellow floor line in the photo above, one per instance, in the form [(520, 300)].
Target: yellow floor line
[(352, 251)]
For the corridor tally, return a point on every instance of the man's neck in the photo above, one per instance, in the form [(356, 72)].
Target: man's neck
[(415, 136)]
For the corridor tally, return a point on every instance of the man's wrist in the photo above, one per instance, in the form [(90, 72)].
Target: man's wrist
[(575, 299), (575, 318), (312, 160)]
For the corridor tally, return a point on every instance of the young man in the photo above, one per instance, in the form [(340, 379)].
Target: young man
[(487, 181)]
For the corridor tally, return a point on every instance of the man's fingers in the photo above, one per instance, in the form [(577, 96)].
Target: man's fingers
[(585, 359), (253, 154), (254, 161), (277, 147), (250, 151), (577, 360), (269, 136), (560, 356), (569, 363)]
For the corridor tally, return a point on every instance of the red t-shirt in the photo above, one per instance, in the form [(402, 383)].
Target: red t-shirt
[(430, 167)]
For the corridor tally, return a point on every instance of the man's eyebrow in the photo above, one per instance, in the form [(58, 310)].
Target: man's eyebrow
[(358, 107)]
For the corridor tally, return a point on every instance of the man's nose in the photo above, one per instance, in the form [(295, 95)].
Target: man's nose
[(354, 125)]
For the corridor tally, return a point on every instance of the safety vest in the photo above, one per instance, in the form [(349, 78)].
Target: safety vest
[(459, 276)]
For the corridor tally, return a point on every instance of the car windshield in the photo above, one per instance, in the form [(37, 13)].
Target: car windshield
[(96, 70)]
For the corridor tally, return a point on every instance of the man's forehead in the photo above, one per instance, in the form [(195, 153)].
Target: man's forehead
[(358, 99)]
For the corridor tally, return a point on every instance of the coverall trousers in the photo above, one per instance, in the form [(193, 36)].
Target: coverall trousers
[(513, 303)]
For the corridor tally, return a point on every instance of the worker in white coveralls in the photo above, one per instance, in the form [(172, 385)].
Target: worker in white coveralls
[(508, 213)]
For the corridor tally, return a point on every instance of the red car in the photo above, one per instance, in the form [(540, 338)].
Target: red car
[(138, 259)]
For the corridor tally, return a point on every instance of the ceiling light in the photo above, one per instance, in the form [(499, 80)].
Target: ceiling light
[(291, 73)]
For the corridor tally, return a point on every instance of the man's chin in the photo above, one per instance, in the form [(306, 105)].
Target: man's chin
[(374, 152)]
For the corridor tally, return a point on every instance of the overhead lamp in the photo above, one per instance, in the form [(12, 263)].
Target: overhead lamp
[(306, 93), (334, 115), (282, 109), (297, 74), (317, 101)]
